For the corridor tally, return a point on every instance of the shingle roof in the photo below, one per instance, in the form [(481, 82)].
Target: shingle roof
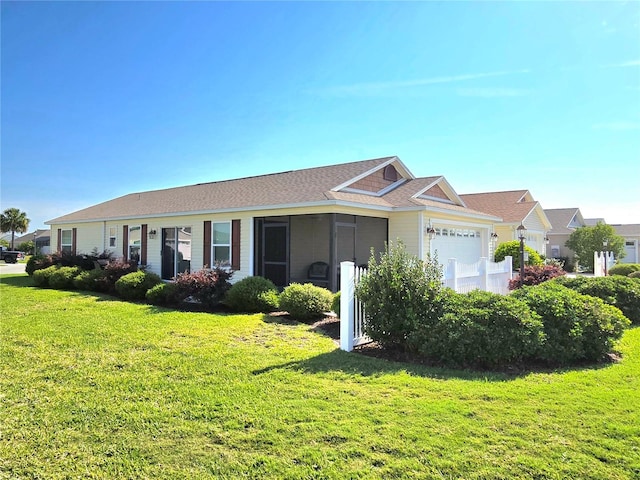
[(295, 187), (506, 205), (560, 219), (628, 229)]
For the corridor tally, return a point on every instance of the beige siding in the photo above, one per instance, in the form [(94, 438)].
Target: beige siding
[(90, 236), (405, 226)]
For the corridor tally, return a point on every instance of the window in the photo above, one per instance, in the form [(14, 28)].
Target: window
[(135, 242), (221, 243), (112, 236), (66, 241)]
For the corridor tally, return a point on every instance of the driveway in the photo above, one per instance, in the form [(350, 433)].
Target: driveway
[(11, 267)]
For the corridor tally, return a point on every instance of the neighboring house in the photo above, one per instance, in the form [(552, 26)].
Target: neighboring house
[(516, 207), (631, 234), (42, 239), (564, 222), (277, 225)]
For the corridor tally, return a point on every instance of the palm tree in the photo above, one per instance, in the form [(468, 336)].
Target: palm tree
[(13, 220)]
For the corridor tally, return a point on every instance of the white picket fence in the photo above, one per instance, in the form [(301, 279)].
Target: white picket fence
[(482, 275), (602, 262)]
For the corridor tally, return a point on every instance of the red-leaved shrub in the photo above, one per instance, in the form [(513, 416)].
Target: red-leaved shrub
[(534, 275)]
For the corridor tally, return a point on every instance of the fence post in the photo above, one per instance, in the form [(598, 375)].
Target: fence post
[(452, 274), (484, 274), (509, 265), (347, 305)]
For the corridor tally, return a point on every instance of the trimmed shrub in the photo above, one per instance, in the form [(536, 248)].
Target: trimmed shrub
[(400, 293), (535, 275), (41, 277), (164, 294), (624, 269), (113, 271), (90, 280), (619, 291), (335, 304), (207, 286), (305, 301), (38, 262), (634, 274), (134, 285), (62, 278), (577, 327), (253, 294), (483, 329), (513, 248)]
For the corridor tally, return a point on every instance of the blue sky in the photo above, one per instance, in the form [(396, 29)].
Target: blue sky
[(101, 99)]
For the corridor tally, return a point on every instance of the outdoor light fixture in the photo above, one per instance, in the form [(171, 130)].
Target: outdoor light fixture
[(152, 233), (546, 240), (521, 230), (494, 237)]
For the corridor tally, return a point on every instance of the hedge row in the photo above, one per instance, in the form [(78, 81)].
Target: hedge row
[(408, 309), (209, 288)]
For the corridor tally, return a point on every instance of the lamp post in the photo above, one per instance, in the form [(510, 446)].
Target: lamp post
[(521, 229), (431, 234), (605, 243)]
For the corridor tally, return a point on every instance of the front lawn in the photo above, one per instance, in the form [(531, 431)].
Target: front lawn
[(93, 387)]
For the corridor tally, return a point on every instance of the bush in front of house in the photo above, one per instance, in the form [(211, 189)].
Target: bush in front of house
[(90, 280), (619, 291), (305, 301), (513, 248), (41, 277), (38, 262), (577, 327), (62, 277), (400, 292), (482, 329), (624, 269), (113, 271), (207, 286), (134, 285), (634, 274), (536, 274), (335, 304), (164, 294), (253, 294)]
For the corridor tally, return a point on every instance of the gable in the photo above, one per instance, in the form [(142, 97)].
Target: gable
[(435, 192), (377, 181)]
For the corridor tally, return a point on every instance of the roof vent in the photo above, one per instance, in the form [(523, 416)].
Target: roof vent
[(390, 173)]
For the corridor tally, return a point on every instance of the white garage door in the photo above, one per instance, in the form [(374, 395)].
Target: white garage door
[(465, 245)]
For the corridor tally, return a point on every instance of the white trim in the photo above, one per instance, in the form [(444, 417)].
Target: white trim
[(379, 193), (230, 244)]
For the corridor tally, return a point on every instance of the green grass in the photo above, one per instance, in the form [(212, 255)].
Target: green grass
[(92, 387)]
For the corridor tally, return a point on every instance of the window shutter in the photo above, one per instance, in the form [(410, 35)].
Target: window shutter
[(143, 244), (206, 245), (59, 240), (235, 244), (74, 240), (125, 241)]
